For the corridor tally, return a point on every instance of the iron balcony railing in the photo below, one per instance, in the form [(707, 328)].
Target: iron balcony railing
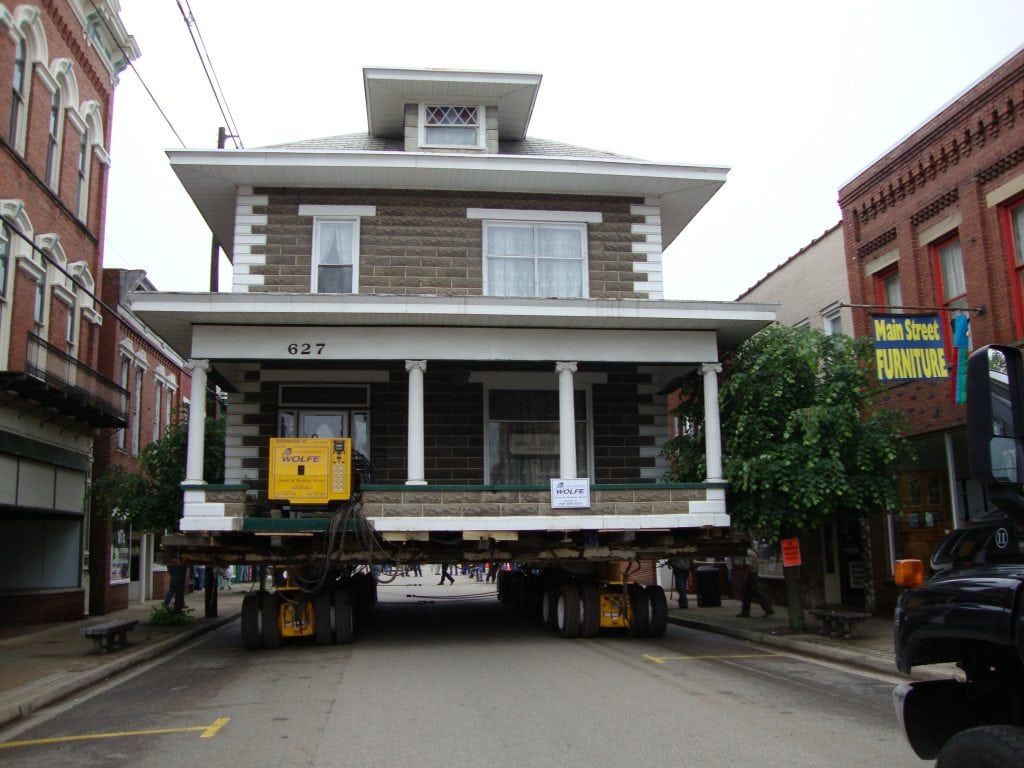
[(58, 380)]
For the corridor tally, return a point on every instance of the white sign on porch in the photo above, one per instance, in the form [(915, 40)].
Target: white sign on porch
[(570, 493)]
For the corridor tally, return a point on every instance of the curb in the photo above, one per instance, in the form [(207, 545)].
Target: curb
[(850, 658), (49, 690)]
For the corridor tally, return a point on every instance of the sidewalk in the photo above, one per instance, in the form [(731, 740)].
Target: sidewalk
[(42, 664)]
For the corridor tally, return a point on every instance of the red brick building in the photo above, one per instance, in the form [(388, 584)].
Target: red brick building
[(62, 59), (937, 225), (158, 385)]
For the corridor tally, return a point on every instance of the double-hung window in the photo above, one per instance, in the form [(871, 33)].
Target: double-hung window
[(53, 140), (449, 125), (18, 92), (535, 259), (888, 292), (950, 284), (335, 255), (1013, 236)]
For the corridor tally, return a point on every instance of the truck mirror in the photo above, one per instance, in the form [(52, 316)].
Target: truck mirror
[(995, 434)]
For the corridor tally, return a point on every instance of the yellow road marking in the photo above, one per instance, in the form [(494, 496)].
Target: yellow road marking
[(207, 731), (663, 659)]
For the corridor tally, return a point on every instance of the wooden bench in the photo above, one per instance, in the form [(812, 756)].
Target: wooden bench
[(835, 623), (110, 635)]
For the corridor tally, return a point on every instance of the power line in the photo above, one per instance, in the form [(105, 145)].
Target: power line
[(128, 58), (211, 74)]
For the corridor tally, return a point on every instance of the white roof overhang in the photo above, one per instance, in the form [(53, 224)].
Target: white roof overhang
[(179, 318), (212, 178), (389, 90)]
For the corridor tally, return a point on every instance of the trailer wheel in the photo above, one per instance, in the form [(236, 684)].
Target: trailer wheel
[(988, 746), (270, 610), (659, 611), (252, 620), (549, 605), (640, 608), (344, 619), (567, 611), (502, 588), (323, 630), (590, 610)]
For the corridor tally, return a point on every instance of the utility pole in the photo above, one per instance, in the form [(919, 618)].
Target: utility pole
[(222, 136)]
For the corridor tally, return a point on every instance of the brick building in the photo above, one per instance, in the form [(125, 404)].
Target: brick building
[(63, 59), (937, 224), (158, 385)]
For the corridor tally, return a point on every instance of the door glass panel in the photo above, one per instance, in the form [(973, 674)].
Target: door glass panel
[(323, 425)]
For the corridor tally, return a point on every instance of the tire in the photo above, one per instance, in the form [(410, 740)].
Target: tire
[(567, 611), (640, 608), (252, 621), (590, 610), (270, 610), (344, 616), (387, 578), (502, 589), (659, 611), (323, 619), (549, 606), (988, 746)]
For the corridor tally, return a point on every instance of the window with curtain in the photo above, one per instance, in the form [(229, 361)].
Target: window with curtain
[(335, 255), (522, 436), (535, 260), (952, 287), (888, 292)]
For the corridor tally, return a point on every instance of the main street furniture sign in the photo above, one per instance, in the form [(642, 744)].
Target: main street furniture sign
[(909, 347)]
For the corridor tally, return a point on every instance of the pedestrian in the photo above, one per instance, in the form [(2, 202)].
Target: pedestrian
[(174, 571), (446, 574), (417, 569), (752, 588), (492, 571), (681, 572)]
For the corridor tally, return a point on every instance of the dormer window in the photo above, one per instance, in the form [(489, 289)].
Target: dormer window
[(446, 125)]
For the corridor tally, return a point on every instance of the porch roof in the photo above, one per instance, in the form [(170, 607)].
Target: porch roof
[(173, 316)]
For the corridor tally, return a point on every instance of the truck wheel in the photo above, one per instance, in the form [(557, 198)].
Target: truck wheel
[(659, 611), (567, 611), (502, 595), (988, 746), (344, 620), (323, 631), (252, 620), (590, 610), (270, 610), (549, 606), (640, 608)]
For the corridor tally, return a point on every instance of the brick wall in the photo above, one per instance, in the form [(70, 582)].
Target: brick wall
[(422, 242), (42, 607)]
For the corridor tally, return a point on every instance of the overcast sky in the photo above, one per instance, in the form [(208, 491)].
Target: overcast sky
[(794, 97)]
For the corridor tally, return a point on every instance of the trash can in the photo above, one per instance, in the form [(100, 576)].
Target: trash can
[(709, 593)]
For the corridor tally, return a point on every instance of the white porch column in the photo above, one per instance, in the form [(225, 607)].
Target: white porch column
[(196, 424), (712, 422), (566, 420), (415, 445)]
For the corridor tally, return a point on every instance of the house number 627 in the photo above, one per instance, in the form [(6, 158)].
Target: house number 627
[(306, 349)]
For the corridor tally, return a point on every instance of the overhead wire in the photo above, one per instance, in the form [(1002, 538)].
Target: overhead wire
[(131, 64), (211, 75)]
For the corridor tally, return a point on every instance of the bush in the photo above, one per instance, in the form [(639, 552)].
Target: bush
[(165, 616)]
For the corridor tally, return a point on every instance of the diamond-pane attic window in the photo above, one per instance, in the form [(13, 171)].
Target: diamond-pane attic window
[(451, 126)]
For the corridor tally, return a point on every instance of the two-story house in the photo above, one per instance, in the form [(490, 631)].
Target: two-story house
[(481, 311), (60, 61)]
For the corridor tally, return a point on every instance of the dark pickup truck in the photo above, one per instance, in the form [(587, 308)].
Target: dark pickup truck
[(971, 611)]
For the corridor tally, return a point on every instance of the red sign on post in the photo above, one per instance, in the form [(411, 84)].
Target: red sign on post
[(790, 552)]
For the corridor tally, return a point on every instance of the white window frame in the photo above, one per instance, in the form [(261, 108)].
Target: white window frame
[(335, 213), (553, 219), (315, 260), (481, 120), (124, 379)]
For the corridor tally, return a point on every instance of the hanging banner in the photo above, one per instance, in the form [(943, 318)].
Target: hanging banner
[(909, 347)]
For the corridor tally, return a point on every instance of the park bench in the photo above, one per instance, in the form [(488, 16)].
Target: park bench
[(110, 635), (836, 623)]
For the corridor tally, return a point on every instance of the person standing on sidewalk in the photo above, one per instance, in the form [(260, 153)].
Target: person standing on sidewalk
[(752, 588), (681, 573)]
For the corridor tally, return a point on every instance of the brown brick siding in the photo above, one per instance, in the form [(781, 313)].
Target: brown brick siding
[(422, 242)]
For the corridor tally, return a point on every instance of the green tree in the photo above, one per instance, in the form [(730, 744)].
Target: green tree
[(803, 438), (151, 499)]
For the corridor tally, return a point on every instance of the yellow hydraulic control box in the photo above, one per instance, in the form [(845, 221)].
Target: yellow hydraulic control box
[(310, 470)]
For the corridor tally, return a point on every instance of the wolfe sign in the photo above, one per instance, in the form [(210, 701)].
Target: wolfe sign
[(909, 347)]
